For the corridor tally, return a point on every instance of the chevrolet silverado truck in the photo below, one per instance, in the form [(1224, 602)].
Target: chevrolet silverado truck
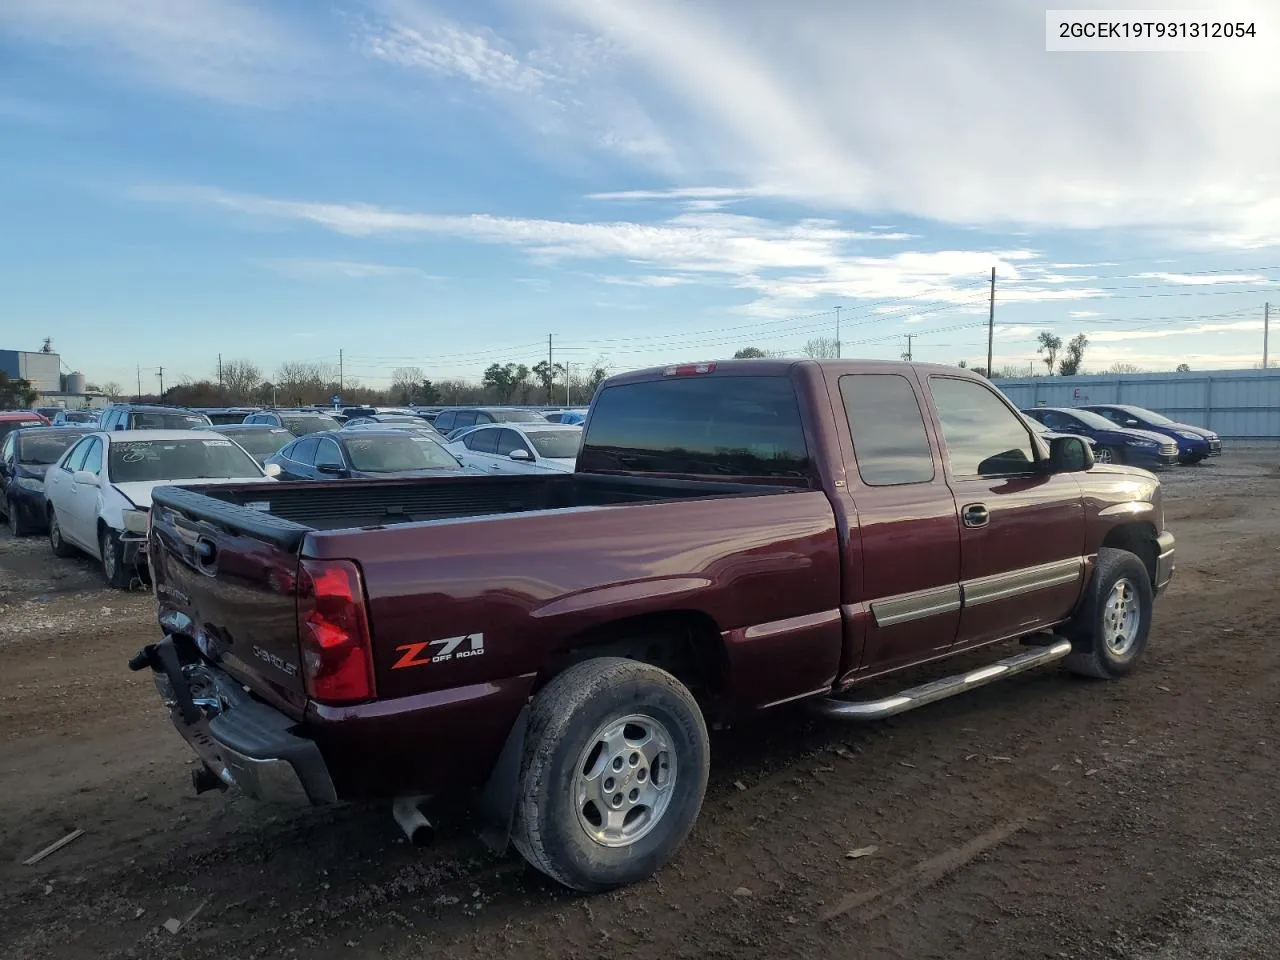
[(737, 536)]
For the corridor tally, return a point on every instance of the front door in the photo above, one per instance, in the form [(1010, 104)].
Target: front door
[(903, 563), (1022, 532), (81, 526)]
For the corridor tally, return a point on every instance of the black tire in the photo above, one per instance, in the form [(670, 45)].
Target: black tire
[(19, 523), (550, 829), (60, 547), (118, 576), (1093, 635)]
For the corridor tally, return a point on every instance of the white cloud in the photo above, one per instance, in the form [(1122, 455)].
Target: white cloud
[(1198, 329), (302, 268), (1081, 314), (1193, 279), (223, 49), (449, 50), (650, 280), (872, 108)]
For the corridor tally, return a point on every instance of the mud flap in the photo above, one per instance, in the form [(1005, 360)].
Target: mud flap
[(496, 802)]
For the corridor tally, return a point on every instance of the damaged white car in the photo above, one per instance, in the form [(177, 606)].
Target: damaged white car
[(99, 492)]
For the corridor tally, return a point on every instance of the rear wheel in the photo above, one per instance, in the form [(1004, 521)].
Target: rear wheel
[(1109, 634), (118, 575), (614, 773), (19, 524), (59, 546)]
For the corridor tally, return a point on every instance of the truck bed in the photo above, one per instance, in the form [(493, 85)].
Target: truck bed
[(283, 513)]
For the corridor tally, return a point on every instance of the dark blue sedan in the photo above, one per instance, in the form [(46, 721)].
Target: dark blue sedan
[(1112, 444), (24, 457), (1194, 443)]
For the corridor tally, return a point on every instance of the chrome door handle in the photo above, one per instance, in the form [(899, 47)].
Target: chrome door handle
[(975, 515)]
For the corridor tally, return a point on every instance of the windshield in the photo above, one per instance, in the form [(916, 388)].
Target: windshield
[(131, 461), (164, 420), (302, 424), (1147, 415), (556, 444), (392, 453), (45, 448), (1035, 424), (79, 416), (517, 416), (262, 443), (8, 426)]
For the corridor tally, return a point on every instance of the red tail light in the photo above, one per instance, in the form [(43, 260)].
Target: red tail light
[(333, 629), (689, 369)]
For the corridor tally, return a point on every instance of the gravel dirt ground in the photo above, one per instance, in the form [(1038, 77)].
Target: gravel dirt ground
[(1046, 816)]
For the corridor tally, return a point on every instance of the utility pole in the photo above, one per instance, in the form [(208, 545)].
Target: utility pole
[(837, 332), (566, 384), (907, 356), (339, 371), (1266, 331), (138, 396), (550, 369), (219, 371), (160, 374), (991, 324)]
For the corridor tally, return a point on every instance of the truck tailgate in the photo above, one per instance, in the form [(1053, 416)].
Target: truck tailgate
[(226, 576)]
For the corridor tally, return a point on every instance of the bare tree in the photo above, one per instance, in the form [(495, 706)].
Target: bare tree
[(1050, 344), (304, 382), (111, 390), (404, 383), (1121, 366), (240, 379), (821, 348)]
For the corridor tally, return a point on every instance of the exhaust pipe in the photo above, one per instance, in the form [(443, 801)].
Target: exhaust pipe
[(203, 780), (417, 828)]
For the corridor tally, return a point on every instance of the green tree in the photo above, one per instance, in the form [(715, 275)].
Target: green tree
[(750, 353), (16, 392), (504, 379), (1182, 368), (1070, 364), (428, 393), (1050, 344), (547, 374)]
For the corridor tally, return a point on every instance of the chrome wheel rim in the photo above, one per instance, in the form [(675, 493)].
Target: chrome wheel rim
[(1121, 618), (108, 557), (624, 780), (1104, 455)]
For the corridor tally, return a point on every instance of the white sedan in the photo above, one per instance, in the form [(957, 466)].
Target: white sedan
[(520, 447), (99, 492)]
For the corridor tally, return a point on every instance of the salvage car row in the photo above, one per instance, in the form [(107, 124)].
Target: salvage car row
[(88, 486)]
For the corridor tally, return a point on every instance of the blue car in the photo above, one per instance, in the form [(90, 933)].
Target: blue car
[(25, 455), (1112, 444), (1194, 443)]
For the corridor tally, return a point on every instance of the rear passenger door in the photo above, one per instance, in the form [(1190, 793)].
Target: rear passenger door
[(1022, 532), (300, 462), (905, 552), (482, 450)]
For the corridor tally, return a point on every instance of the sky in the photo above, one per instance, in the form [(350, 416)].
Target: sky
[(447, 185)]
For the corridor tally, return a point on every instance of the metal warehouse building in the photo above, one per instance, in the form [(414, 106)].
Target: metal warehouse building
[(1238, 404), (43, 370)]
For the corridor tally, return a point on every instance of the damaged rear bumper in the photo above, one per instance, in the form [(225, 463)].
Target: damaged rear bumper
[(245, 743)]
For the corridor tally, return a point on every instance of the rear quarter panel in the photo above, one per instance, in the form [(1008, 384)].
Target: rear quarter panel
[(532, 583)]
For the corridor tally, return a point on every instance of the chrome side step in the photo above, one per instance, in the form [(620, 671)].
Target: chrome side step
[(936, 690)]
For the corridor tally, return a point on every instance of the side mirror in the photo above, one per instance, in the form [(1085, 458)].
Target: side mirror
[(272, 470), (1069, 455), (86, 478), (1131, 423), (331, 469), (521, 455)]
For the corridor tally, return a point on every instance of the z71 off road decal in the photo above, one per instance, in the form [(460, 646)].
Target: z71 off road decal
[(420, 654)]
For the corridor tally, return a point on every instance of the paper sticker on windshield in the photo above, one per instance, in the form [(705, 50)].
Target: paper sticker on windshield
[(262, 506), (216, 443)]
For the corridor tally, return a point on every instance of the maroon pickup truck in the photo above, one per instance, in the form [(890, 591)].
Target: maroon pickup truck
[(737, 536)]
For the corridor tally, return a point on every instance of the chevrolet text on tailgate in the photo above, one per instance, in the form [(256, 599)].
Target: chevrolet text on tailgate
[(736, 536)]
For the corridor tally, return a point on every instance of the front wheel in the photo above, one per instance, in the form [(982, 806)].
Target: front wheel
[(1107, 455), (118, 575), (1110, 632), (614, 772), (19, 525)]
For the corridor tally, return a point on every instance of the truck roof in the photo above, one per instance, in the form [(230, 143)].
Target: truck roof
[(768, 367)]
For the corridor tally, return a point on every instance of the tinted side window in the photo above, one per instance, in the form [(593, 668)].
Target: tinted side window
[(93, 457), (444, 422), (508, 442), (484, 441), (305, 451), (482, 417), (889, 438), (467, 418), (328, 453), (700, 426), (983, 436), (6, 452)]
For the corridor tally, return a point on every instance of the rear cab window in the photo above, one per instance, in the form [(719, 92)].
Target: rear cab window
[(716, 427), (890, 442)]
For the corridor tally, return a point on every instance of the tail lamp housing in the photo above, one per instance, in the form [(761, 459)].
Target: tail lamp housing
[(333, 632)]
